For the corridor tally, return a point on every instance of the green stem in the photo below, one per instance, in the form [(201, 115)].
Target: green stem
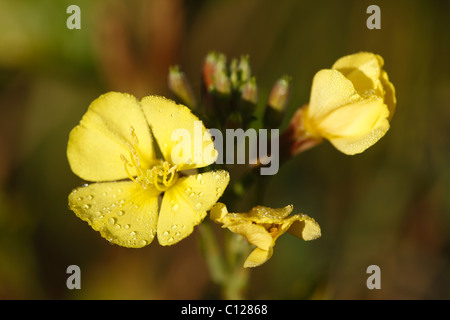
[(213, 255), (237, 250)]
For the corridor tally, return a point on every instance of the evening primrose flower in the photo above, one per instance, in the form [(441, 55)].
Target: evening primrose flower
[(262, 226), (113, 146), (351, 104)]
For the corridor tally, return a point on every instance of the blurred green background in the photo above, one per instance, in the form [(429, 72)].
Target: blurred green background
[(389, 206)]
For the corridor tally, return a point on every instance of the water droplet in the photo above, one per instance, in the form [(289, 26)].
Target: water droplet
[(111, 221), (104, 194), (142, 242), (133, 234), (192, 194), (174, 226), (79, 198), (117, 226), (126, 227), (175, 207), (98, 213), (90, 197), (166, 233), (120, 213), (177, 234), (119, 190), (183, 226), (199, 177), (198, 206), (86, 206), (200, 194), (188, 190), (172, 115), (170, 239)]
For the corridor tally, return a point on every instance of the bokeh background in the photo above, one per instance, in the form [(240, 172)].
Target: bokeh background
[(389, 206)]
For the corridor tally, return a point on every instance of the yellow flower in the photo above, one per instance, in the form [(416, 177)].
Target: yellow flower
[(113, 146), (352, 103), (262, 226)]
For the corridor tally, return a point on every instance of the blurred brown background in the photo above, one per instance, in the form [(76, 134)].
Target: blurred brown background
[(389, 206)]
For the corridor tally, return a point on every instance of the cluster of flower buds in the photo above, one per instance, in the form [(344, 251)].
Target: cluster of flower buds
[(230, 93)]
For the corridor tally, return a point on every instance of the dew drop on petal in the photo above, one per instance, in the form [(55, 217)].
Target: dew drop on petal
[(111, 221)]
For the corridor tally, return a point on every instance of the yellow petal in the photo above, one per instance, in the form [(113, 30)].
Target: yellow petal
[(369, 124), (123, 212), (104, 133), (389, 94), (355, 119), (363, 69), (186, 203), (305, 228), (177, 129), (258, 257), (218, 212), (254, 233), (330, 90), (270, 215)]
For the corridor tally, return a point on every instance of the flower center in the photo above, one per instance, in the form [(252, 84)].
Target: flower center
[(273, 229), (162, 175)]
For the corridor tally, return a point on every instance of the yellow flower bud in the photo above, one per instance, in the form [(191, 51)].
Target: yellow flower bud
[(352, 103)]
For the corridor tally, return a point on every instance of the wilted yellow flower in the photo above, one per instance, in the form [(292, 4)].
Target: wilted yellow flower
[(262, 226), (351, 104), (113, 146)]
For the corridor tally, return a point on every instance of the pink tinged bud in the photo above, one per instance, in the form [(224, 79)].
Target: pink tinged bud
[(250, 91), (279, 96), (208, 72), (179, 84)]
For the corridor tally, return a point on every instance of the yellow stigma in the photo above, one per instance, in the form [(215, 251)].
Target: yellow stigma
[(162, 175)]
